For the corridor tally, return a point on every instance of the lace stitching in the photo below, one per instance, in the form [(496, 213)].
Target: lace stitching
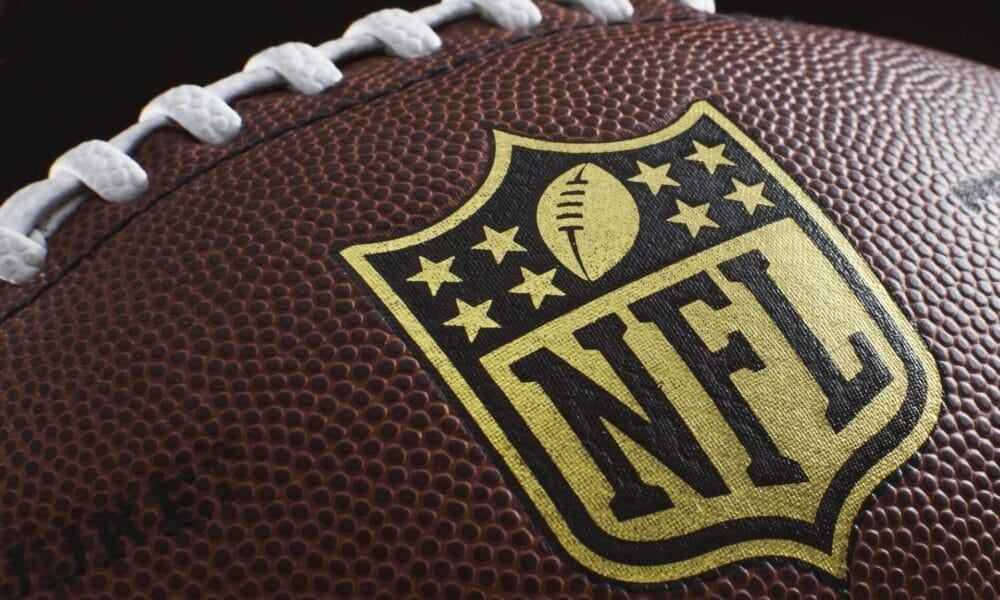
[(36, 211)]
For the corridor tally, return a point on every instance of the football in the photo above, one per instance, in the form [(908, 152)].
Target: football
[(517, 299), (588, 219)]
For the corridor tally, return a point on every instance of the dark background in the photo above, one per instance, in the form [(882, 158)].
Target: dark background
[(72, 70)]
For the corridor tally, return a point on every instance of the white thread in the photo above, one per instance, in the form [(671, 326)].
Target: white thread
[(401, 33), (109, 172), (203, 114), (508, 14), (36, 211), (303, 67), (20, 257), (702, 5)]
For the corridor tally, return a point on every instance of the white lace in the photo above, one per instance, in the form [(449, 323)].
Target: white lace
[(34, 212)]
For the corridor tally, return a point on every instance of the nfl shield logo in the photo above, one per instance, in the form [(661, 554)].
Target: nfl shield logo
[(680, 362)]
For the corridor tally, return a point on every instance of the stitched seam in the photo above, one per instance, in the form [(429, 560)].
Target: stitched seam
[(274, 134)]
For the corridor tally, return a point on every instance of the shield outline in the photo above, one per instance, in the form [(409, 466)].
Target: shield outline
[(505, 454)]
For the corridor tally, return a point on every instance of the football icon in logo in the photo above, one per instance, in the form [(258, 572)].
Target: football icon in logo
[(588, 220)]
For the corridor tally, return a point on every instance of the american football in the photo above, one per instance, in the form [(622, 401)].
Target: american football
[(588, 219), (516, 299)]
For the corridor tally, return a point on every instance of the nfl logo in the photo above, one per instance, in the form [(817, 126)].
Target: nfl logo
[(680, 362)]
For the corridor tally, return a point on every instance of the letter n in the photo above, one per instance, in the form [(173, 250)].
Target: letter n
[(586, 405)]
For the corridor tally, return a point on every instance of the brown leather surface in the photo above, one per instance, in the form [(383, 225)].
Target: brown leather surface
[(210, 312)]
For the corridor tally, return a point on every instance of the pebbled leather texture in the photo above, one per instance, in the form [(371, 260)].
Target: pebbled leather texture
[(209, 311)]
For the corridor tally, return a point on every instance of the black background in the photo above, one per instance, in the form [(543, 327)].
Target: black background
[(72, 70)]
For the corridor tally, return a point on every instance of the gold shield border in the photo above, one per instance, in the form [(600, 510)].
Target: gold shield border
[(836, 561)]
